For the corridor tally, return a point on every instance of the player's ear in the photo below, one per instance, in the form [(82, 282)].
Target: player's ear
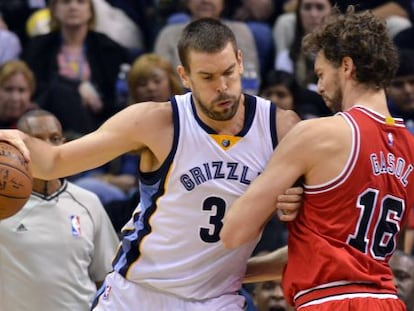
[(239, 57), (348, 66), (183, 76)]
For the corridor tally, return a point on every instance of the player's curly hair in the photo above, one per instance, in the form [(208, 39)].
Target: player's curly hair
[(360, 36)]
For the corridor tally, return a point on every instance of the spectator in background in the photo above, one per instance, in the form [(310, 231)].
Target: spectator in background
[(15, 14), (10, 46), (118, 26), (268, 296), (259, 17), (397, 14), (289, 30), (166, 41), (17, 84), (121, 28), (402, 266), (57, 249), (282, 88), (38, 23), (76, 68), (253, 10), (153, 78), (405, 39), (289, 5), (401, 90)]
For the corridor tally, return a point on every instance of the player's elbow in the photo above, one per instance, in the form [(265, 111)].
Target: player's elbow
[(228, 242), (231, 239)]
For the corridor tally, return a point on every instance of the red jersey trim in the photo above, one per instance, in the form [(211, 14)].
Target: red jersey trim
[(342, 177), (379, 118), (339, 291)]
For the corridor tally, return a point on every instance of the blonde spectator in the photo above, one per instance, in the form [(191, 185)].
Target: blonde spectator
[(17, 84), (153, 78)]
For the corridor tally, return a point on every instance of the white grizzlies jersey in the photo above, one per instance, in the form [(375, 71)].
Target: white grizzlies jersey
[(173, 245)]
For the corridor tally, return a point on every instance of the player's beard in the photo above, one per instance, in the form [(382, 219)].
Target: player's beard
[(223, 115), (334, 102)]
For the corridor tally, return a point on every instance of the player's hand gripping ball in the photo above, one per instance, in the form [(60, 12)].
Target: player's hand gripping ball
[(15, 180)]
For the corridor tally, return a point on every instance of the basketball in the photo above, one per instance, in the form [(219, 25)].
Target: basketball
[(15, 180)]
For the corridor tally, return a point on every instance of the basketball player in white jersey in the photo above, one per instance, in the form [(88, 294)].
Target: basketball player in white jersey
[(198, 153)]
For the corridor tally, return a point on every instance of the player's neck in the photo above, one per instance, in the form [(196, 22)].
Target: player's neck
[(46, 187), (374, 99)]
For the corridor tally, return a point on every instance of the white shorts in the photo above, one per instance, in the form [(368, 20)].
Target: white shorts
[(119, 294)]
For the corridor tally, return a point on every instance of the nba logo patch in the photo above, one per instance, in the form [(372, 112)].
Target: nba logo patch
[(106, 292), (390, 139), (75, 225)]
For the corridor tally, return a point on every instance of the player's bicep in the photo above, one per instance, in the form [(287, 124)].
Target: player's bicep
[(290, 159)]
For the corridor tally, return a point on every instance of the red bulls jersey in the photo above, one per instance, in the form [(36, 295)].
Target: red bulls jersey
[(347, 230)]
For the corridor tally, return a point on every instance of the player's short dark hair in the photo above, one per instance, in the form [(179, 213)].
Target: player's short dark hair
[(360, 36), (204, 35)]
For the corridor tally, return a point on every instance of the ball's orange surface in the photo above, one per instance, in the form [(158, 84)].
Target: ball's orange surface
[(15, 180)]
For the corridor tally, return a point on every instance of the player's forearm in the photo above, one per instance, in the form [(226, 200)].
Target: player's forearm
[(266, 267), (42, 158), (241, 225)]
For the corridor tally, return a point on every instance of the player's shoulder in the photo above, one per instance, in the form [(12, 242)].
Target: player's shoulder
[(285, 121), (150, 106), (149, 111), (286, 115), (321, 128)]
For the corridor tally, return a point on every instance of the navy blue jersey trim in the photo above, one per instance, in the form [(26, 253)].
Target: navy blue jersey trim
[(273, 130), (250, 111), (150, 178), (130, 248), (250, 103), (133, 253)]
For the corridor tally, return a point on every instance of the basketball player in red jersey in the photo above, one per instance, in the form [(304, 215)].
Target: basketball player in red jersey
[(357, 168)]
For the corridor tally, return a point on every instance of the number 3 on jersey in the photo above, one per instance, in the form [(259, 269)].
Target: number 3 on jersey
[(383, 231), (211, 205)]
